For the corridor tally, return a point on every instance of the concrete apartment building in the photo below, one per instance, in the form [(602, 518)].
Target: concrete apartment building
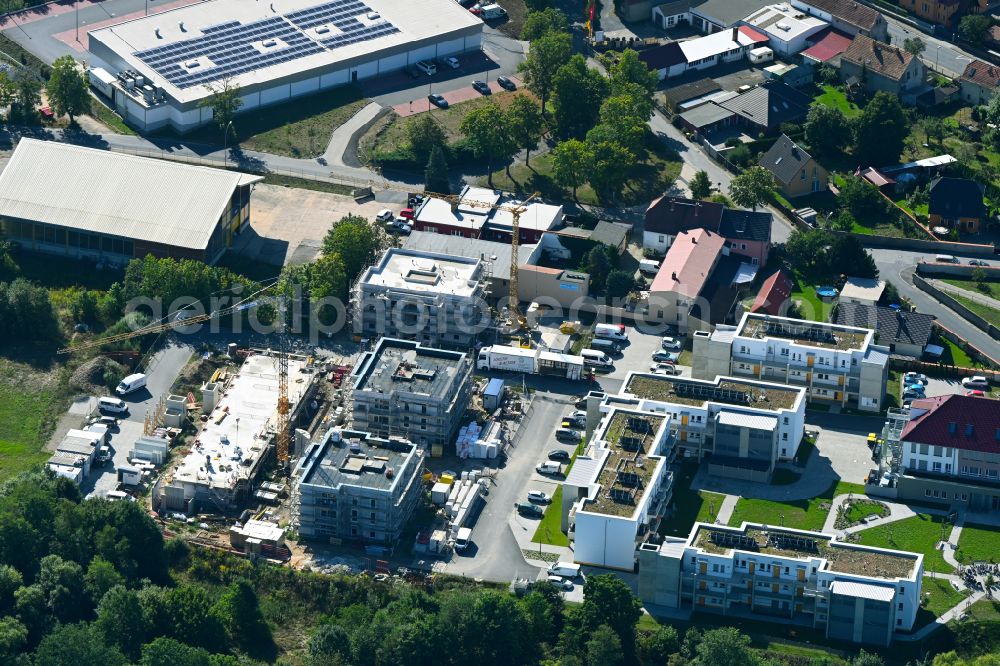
[(436, 299), (741, 427), (617, 491), (407, 390), (355, 487), (949, 451), (853, 593), (836, 364)]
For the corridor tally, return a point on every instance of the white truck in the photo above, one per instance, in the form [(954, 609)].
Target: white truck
[(529, 361)]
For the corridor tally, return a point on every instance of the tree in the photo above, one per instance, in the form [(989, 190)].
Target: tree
[(604, 647), (847, 254), (75, 645), (656, 646), (597, 263), (239, 612), (539, 24), (525, 124), (863, 200), (13, 637), (608, 171), (914, 46), (625, 117), (807, 250), (8, 89), (619, 284), (330, 643), (423, 134), (436, 173), (546, 55), (487, 136), (62, 583), (101, 577), (880, 130), (700, 185), (607, 600), (933, 127), (752, 187), (577, 93), (120, 621), (973, 28), (169, 652), (28, 92), (188, 616), (627, 69), (224, 100), (67, 88), (10, 580), (357, 242), (867, 659), (724, 647), (827, 130)]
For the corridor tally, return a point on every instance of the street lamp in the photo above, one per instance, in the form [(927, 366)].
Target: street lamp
[(225, 146)]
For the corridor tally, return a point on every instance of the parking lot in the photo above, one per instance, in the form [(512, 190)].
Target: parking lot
[(104, 478), (637, 356)]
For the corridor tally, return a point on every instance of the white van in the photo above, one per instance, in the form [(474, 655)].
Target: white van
[(610, 331), (463, 539), (595, 357), (131, 383), (112, 405), (946, 259), (565, 569), (606, 346), (649, 267), (428, 68), (488, 12)]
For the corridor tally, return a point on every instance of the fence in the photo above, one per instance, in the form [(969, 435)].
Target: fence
[(950, 302)]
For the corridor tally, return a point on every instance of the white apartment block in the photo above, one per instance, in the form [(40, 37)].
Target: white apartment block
[(617, 491), (742, 427), (835, 364), (854, 593)]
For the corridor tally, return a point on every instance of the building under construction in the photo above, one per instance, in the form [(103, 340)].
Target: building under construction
[(224, 462), (404, 389)]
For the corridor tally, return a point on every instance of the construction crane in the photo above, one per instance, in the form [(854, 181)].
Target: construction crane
[(517, 318)]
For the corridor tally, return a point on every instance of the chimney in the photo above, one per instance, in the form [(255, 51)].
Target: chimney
[(673, 276), (952, 427), (736, 31), (968, 430)]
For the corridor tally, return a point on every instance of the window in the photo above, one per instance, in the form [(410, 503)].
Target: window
[(802, 175), (373, 504), (371, 535), (784, 436), (937, 467), (938, 451), (900, 605), (786, 420)]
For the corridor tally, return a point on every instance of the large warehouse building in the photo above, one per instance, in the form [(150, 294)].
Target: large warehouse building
[(162, 66), (87, 203)]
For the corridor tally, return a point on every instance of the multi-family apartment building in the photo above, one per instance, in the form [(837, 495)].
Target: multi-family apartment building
[(837, 365), (353, 486), (949, 452), (741, 427), (617, 491), (435, 299), (404, 389), (854, 593)]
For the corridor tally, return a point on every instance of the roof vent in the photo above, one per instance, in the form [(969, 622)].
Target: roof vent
[(952, 427), (180, 24), (673, 276), (968, 430), (158, 35)]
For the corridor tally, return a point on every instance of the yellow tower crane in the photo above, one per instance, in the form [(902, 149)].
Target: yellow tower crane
[(517, 318)]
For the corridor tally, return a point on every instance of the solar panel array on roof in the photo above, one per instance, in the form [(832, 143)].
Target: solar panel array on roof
[(232, 48)]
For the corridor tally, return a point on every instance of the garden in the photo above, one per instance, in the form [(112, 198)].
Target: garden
[(918, 534), (804, 514)]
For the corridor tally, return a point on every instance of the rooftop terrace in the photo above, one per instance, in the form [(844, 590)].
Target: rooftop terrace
[(809, 333), (627, 471), (357, 459), (398, 365), (770, 540), (724, 390)]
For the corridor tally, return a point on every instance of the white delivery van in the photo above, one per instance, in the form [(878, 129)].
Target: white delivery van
[(548, 467), (488, 12), (131, 383), (649, 267), (428, 68), (463, 539), (565, 569), (610, 331), (607, 346), (594, 357), (112, 405)]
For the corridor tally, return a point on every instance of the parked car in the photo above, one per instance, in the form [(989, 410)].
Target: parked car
[(976, 392), (406, 213), (437, 100), (528, 509), (978, 262), (384, 215), (664, 357), (663, 369), (670, 343), (915, 378), (416, 200), (578, 416), (568, 434), (428, 68), (560, 582), (559, 454), (539, 497), (912, 395), (548, 467), (506, 83), (452, 62), (402, 226), (976, 382), (482, 87)]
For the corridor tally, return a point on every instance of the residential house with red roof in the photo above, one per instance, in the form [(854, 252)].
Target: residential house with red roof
[(978, 82), (881, 67), (774, 295), (951, 452), (747, 233), (848, 16)]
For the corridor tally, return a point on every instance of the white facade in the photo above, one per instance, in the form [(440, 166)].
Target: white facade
[(789, 29), (929, 458)]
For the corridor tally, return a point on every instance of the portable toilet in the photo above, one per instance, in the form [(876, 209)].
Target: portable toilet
[(493, 395)]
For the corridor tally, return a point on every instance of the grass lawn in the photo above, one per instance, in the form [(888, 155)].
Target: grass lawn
[(550, 528), (940, 596), (690, 507), (919, 534), (991, 315), (807, 514), (955, 355), (978, 543), (301, 128), (308, 184), (835, 98), (969, 285), (104, 115), (808, 303), (30, 405), (893, 389)]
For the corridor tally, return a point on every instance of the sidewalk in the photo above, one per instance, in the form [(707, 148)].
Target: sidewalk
[(982, 299), (948, 552), (345, 135), (944, 619), (896, 512)]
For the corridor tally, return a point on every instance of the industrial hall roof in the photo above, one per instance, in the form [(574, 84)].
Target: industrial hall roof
[(97, 191)]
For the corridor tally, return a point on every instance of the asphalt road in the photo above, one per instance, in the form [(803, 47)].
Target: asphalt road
[(938, 55)]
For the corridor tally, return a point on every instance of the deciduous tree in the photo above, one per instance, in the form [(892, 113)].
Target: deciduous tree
[(540, 23), (357, 242), (973, 28), (914, 46), (487, 136), (525, 124), (570, 162), (700, 185), (224, 100), (546, 55), (752, 187), (827, 130), (609, 171), (577, 94), (28, 92), (423, 134), (436, 173), (880, 130), (67, 88)]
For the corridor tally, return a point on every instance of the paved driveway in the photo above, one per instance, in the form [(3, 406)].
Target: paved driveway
[(104, 478), (843, 443)]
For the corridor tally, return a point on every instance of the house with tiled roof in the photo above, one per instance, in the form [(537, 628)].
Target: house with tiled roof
[(746, 233), (848, 16), (795, 171), (943, 12), (957, 203), (696, 267), (950, 451), (882, 67), (773, 297), (905, 333), (978, 82)]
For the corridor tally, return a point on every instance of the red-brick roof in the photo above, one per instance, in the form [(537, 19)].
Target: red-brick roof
[(959, 421), (775, 291)]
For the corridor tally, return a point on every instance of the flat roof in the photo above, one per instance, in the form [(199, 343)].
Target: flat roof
[(720, 42), (851, 588), (427, 272), (864, 288), (401, 365), (722, 390), (353, 458), (800, 331), (141, 198), (752, 421), (235, 434), (187, 48), (459, 246), (783, 22)]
